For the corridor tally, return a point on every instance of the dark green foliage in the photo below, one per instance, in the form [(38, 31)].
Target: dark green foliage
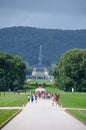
[(12, 71), (71, 70), (26, 41)]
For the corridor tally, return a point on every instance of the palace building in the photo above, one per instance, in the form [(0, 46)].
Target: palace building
[(39, 71)]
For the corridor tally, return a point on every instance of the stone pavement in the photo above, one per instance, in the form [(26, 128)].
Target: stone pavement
[(11, 107), (43, 116)]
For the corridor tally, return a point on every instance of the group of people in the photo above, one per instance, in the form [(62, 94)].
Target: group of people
[(34, 96)]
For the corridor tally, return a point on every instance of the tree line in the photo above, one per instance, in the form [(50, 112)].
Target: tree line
[(70, 71), (12, 72)]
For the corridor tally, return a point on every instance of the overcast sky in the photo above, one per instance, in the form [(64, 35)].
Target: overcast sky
[(56, 14)]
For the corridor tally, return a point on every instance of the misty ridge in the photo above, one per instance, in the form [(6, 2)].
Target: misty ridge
[(26, 41)]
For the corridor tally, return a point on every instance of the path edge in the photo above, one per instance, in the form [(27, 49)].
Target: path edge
[(14, 115)]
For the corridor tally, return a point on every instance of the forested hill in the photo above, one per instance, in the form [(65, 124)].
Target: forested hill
[(26, 41)]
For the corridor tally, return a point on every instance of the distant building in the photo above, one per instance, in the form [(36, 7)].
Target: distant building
[(39, 71)]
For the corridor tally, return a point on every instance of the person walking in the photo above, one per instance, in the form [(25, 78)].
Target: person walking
[(28, 98), (35, 98), (32, 98), (52, 99)]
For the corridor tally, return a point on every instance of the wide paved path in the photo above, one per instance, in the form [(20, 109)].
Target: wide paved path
[(44, 116)]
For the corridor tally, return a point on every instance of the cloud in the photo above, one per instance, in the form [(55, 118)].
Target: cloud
[(45, 5), (43, 13)]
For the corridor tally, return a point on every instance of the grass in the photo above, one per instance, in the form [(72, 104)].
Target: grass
[(40, 81), (80, 114), (5, 115), (53, 90), (69, 99), (72, 100), (13, 99), (76, 100)]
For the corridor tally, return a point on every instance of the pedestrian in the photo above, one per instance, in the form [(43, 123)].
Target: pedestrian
[(32, 98), (28, 98), (35, 98), (52, 99), (57, 97)]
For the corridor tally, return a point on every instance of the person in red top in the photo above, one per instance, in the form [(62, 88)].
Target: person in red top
[(57, 97)]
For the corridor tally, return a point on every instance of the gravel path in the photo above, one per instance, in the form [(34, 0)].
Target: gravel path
[(43, 116)]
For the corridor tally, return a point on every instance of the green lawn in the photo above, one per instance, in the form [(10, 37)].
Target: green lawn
[(76, 100), (6, 115), (13, 99), (72, 100), (80, 114), (40, 81), (69, 99), (53, 90)]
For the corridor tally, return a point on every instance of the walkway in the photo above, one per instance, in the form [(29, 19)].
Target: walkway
[(44, 116)]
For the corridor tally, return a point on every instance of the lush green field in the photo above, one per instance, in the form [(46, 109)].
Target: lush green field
[(76, 100), (40, 81), (80, 114), (13, 99), (6, 115), (53, 90), (69, 99), (72, 100)]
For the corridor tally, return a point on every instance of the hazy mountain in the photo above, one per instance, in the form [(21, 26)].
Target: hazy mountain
[(26, 41)]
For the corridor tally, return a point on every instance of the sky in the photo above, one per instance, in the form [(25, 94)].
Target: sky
[(52, 14)]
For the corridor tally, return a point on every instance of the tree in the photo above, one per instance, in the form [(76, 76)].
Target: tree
[(12, 71), (71, 70)]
